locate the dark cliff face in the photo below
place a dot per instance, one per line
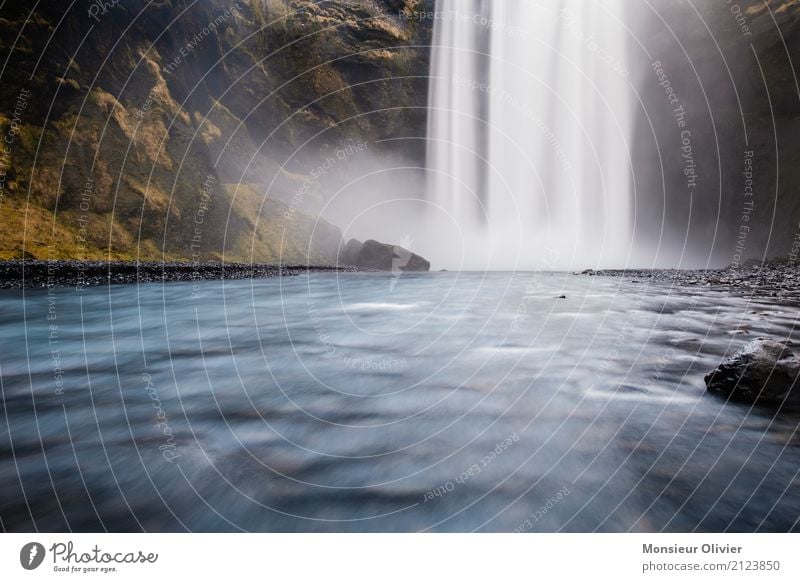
(718, 180)
(188, 129)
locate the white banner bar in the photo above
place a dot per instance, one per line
(401, 557)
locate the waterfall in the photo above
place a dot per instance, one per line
(528, 127)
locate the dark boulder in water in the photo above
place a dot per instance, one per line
(764, 371)
(381, 257)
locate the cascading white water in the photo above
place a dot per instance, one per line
(529, 114)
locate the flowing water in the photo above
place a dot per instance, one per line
(362, 402)
(528, 127)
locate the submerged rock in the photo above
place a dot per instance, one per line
(764, 371)
(381, 257)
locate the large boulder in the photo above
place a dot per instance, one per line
(764, 371)
(381, 257)
(349, 253)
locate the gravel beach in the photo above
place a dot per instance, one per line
(66, 273)
(771, 279)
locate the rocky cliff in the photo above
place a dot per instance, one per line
(196, 130)
(716, 149)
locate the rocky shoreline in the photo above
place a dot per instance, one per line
(68, 273)
(772, 279)
(763, 372)
(776, 279)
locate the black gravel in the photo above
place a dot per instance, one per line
(774, 279)
(777, 279)
(31, 274)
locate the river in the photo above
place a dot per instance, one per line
(386, 402)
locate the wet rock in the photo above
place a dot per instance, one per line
(385, 257)
(764, 371)
(350, 251)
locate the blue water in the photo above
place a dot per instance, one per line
(372, 402)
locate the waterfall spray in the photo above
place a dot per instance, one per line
(528, 134)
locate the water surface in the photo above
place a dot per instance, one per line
(376, 402)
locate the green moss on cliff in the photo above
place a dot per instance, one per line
(121, 133)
